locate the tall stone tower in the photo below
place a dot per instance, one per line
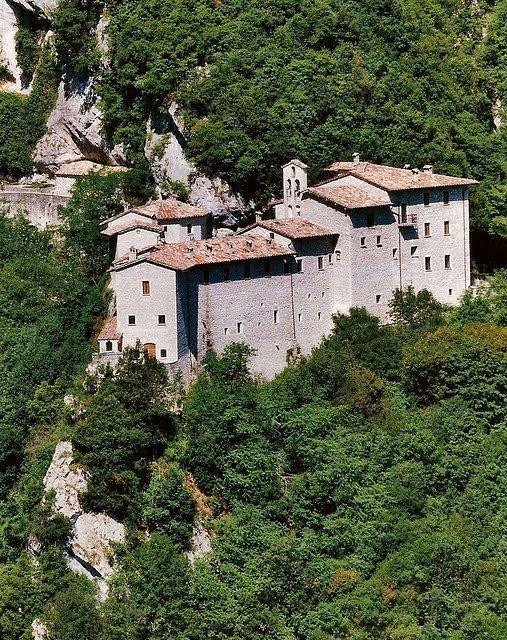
(295, 181)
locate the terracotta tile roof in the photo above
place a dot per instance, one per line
(395, 179)
(295, 228)
(182, 256)
(170, 210)
(110, 330)
(348, 196)
(131, 224)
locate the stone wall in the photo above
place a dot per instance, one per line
(39, 207)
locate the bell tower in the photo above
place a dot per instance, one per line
(295, 182)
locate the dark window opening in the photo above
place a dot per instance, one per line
(321, 263)
(109, 345)
(146, 288)
(161, 319)
(132, 319)
(163, 353)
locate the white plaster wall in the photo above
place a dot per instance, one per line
(375, 271)
(162, 300)
(457, 244)
(339, 223)
(176, 231)
(138, 238)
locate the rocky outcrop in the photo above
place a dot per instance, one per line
(165, 151)
(39, 630)
(74, 130)
(200, 542)
(89, 550)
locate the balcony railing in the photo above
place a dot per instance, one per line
(407, 220)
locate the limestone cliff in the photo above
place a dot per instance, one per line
(89, 550)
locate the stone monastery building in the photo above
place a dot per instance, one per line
(348, 241)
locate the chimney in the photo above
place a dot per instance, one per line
(428, 168)
(132, 254)
(249, 244)
(356, 158)
(415, 175)
(209, 247)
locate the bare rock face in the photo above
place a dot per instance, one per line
(89, 550)
(39, 630)
(200, 542)
(165, 151)
(8, 29)
(66, 480)
(74, 130)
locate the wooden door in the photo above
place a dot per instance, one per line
(150, 349)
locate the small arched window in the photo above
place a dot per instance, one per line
(109, 345)
(297, 189)
(289, 187)
(293, 170)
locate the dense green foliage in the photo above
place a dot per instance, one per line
(263, 81)
(359, 494)
(23, 118)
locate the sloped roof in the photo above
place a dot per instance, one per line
(348, 196)
(182, 256)
(129, 226)
(110, 330)
(295, 228)
(170, 210)
(396, 179)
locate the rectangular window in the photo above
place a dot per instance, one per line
(370, 219)
(247, 270)
(132, 320)
(395, 253)
(299, 265)
(161, 319)
(427, 230)
(275, 316)
(205, 276)
(379, 243)
(189, 229)
(427, 263)
(447, 261)
(446, 197)
(239, 327)
(163, 353)
(267, 268)
(227, 273)
(446, 228)
(271, 235)
(426, 198)
(413, 251)
(330, 258)
(404, 218)
(450, 292)
(338, 255)
(319, 315)
(300, 317)
(378, 298)
(146, 288)
(321, 263)
(226, 330)
(363, 241)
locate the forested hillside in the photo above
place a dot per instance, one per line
(360, 494)
(262, 81)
